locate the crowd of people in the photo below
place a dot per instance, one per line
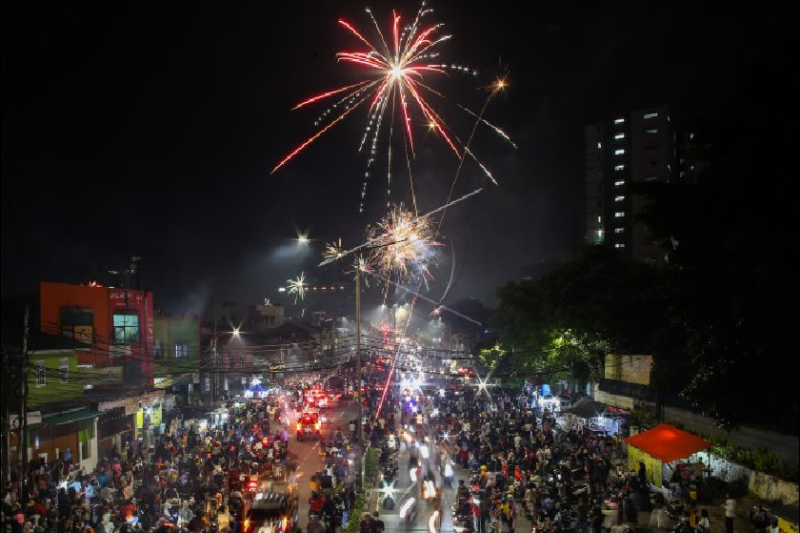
(192, 479)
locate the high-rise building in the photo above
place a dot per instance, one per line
(628, 148)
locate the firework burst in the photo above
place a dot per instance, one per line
(402, 64)
(297, 287)
(402, 244)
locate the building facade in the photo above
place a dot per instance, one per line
(628, 148)
(176, 355)
(117, 324)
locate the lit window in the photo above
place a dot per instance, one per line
(619, 214)
(650, 115)
(41, 374)
(126, 328)
(63, 370)
(619, 121)
(619, 167)
(77, 323)
(599, 233)
(619, 230)
(619, 182)
(599, 145)
(653, 131)
(619, 136)
(619, 245)
(619, 198)
(181, 351)
(619, 151)
(599, 219)
(691, 136)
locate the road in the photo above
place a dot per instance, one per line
(309, 459)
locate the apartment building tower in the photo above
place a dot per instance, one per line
(627, 148)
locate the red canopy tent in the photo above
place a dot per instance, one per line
(668, 443)
(661, 445)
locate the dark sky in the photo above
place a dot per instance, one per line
(151, 128)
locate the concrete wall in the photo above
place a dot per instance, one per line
(764, 486)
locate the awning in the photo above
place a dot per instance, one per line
(586, 408)
(668, 443)
(73, 416)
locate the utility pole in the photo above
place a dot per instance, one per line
(214, 360)
(7, 432)
(22, 441)
(359, 424)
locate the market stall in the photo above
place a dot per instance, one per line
(660, 446)
(585, 415)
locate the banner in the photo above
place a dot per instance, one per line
(651, 464)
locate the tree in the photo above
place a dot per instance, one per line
(571, 318)
(732, 270)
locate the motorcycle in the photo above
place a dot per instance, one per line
(408, 512)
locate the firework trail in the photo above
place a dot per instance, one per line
(416, 294)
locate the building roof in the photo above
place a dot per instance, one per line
(586, 408)
(72, 416)
(668, 443)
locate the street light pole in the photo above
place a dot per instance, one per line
(359, 423)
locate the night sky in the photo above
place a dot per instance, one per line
(151, 129)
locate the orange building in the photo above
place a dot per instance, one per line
(117, 323)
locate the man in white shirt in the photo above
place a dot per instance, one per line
(730, 513)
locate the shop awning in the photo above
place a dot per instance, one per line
(72, 416)
(586, 408)
(668, 443)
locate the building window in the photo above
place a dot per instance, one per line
(126, 328)
(619, 168)
(619, 214)
(41, 374)
(599, 145)
(619, 198)
(181, 351)
(619, 183)
(650, 115)
(619, 121)
(619, 230)
(599, 219)
(158, 353)
(619, 245)
(63, 370)
(619, 151)
(619, 136)
(77, 323)
(652, 131)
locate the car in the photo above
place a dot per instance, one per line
(309, 426)
(272, 512)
